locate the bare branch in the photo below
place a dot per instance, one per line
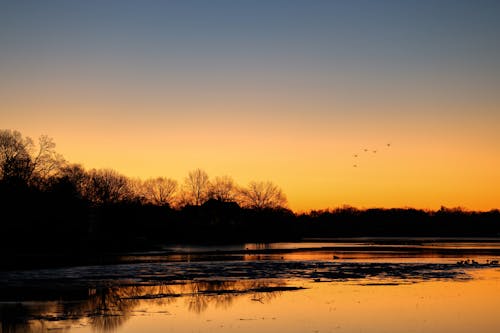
(160, 191)
(262, 195)
(196, 186)
(223, 189)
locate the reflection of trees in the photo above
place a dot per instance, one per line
(21, 318)
(221, 294)
(202, 293)
(261, 290)
(109, 308)
(106, 309)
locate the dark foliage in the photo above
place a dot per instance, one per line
(398, 222)
(58, 210)
(57, 219)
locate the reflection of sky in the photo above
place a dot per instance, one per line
(280, 90)
(381, 250)
(433, 306)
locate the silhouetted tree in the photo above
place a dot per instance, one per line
(223, 189)
(23, 162)
(160, 191)
(107, 186)
(51, 205)
(261, 195)
(75, 178)
(14, 156)
(196, 187)
(46, 161)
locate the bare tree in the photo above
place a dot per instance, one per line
(15, 160)
(223, 189)
(46, 160)
(261, 195)
(160, 191)
(137, 191)
(196, 186)
(183, 198)
(22, 161)
(107, 186)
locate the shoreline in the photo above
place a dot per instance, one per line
(338, 248)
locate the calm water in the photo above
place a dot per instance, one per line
(424, 286)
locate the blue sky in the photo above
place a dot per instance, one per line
(278, 79)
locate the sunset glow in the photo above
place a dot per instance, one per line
(282, 91)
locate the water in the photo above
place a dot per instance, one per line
(361, 286)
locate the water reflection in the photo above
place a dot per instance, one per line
(204, 287)
(433, 250)
(222, 293)
(106, 309)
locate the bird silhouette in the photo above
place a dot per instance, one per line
(388, 145)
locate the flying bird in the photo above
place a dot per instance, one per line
(355, 155)
(388, 145)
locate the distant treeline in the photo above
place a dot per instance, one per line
(50, 205)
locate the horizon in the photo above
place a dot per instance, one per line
(174, 193)
(282, 91)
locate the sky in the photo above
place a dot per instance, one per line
(286, 91)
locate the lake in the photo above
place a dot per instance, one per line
(361, 285)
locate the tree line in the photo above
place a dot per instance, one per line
(26, 164)
(51, 205)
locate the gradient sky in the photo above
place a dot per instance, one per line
(286, 91)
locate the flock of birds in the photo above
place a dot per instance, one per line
(366, 150)
(469, 262)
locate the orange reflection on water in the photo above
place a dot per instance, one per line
(364, 305)
(437, 306)
(374, 257)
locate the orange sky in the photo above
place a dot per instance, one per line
(432, 161)
(286, 94)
